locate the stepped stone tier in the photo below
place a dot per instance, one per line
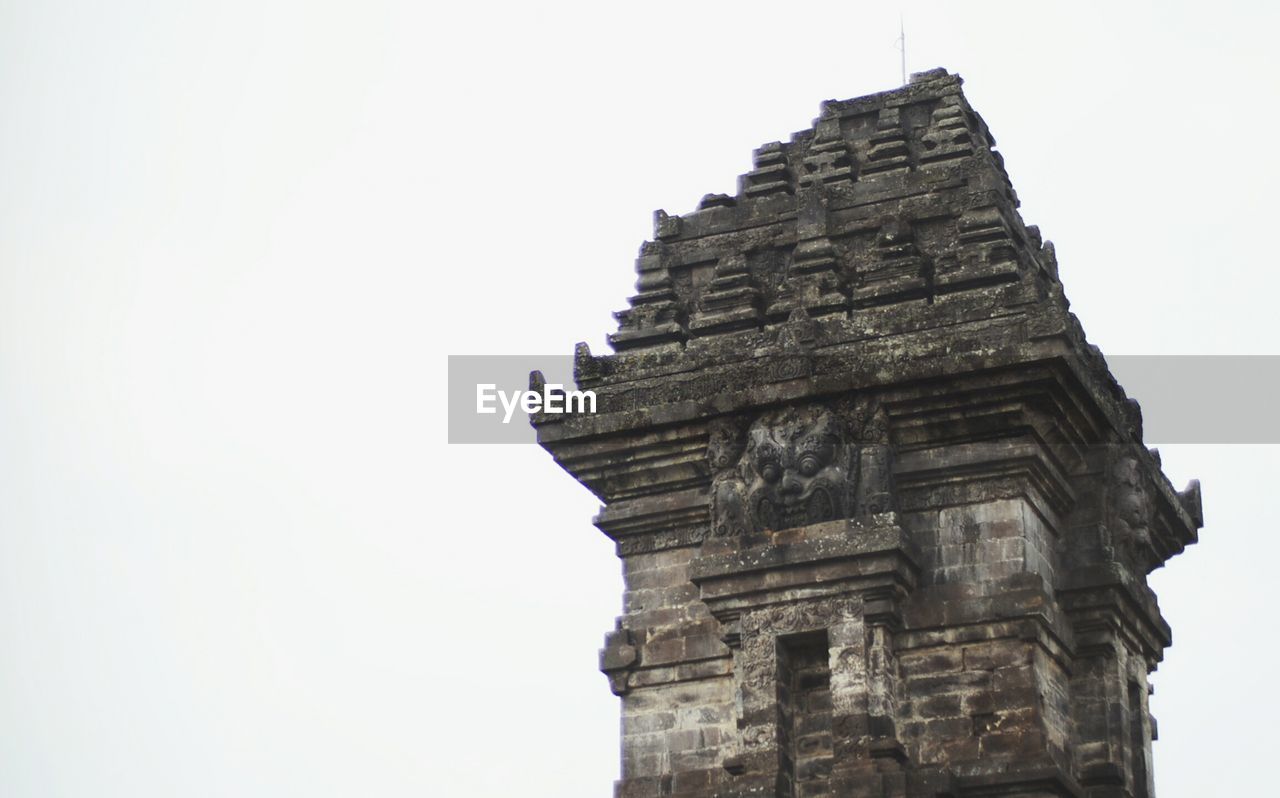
(884, 515)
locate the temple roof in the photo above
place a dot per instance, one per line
(896, 198)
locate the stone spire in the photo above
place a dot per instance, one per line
(884, 514)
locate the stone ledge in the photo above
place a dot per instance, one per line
(812, 544)
(832, 558)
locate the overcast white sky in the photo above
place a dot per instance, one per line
(238, 239)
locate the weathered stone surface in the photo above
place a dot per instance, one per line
(885, 517)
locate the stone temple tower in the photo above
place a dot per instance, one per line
(885, 517)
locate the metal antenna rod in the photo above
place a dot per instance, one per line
(902, 41)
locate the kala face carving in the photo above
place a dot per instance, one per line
(796, 469)
(798, 466)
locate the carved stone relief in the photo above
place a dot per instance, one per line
(1130, 515)
(798, 466)
(797, 469)
(728, 494)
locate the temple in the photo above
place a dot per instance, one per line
(885, 517)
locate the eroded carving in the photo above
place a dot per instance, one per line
(796, 468)
(728, 491)
(792, 618)
(618, 657)
(1130, 516)
(799, 466)
(874, 493)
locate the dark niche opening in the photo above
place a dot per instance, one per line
(804, 715)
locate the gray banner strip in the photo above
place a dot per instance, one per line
(1184, 398)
